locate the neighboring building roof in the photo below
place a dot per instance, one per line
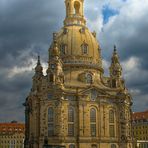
(12, 128)
(140, 115)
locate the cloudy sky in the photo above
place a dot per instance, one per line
(26, 28)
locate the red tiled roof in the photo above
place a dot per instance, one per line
(140, 115)
(12, 128)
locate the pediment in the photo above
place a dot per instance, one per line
(100, 92)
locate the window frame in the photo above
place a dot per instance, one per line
(93, 122)
(84, 48)
(111, 116)
(93, 115)
(71, 114)
(71, 121)
(112, 125)
(50, 121)
(63, 48)
(89, 78)
(112, 130)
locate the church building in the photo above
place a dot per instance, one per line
(74, 105)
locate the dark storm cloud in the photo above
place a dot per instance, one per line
(130, 34)
(129, 31)
(13, 92)
(26, 28)
(24, 23)
(137, 44)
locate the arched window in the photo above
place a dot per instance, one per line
(93, 122)
(71, 146)
(88, 78)
(113, 146)
(50, 121)
(82, 30)
(111, 123)
(65, 31)
(63, 47)
(92, 115)
(76, 8)
(71, 119)
(84, 48)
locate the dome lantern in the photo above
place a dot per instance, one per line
(74, 13)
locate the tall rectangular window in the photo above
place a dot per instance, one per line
(93, 130)
(50, 129)
(71, 121)
(70, 129)
(71, 115)
(50, 121)
(112, 131)
(93, 122)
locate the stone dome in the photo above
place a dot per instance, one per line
(79, 44)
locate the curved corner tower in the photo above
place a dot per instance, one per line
(75, 105)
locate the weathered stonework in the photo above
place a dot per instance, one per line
(75, 105)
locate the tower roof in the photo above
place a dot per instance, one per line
(140, 115)
(38, 67)
(115, 57)
(115, 68)
(12, 128)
